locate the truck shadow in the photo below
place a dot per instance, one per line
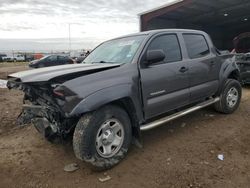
(181, 124)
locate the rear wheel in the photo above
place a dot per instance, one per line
(103, 137)
(230, 97)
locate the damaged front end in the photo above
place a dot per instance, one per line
(45, 105)
(48, 102)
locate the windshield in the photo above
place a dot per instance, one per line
(45, 57)
(118, 51)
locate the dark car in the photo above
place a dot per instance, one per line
(51, 60)
(243, 61)
(127, 85)
(2, 56)
(242, 48)
(80, 59)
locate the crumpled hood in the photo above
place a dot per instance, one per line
(48, 73)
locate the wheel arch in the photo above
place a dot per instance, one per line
(235, 75)
(127, 104)
(124, 95)
(229, 70)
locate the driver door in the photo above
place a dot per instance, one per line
(165, 85)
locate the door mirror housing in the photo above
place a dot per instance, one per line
(154, 56)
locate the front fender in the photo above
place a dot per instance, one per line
(105, 96)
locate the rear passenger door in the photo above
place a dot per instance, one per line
(203, 69)
(51, 61)
(61, 60)
(165, 84)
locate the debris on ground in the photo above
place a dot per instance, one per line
(221, 157)
(168, 161)
(206, 163)
(171, 130)
(3, 84)
(71, 167)
(106, 178)
(183, 125)
(209, 115)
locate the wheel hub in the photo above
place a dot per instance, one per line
(232, 97)
(109, 138)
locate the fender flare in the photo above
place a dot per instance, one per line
(106, 96)
(227, 68)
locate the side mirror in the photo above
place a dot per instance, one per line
(154, 56)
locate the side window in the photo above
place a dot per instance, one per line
(196, 45)
(170, 45)
(52, 58)
(61, 58)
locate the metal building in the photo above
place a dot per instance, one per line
(222, 19)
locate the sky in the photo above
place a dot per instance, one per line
(44, 24)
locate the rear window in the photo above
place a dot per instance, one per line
(196, 45)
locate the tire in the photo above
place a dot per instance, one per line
(226, 104)
(96, 126)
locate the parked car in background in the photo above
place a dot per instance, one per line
(243, 61)
(8, 59)
(2, 56)
(38, 56)
(19, 58)
(242, 48)
(80, 59)
(15, 58)
(51, 60)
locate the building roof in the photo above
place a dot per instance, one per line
(160, 7)
(224, 13)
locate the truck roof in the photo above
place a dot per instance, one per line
(152, 32)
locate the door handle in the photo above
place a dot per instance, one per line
(183, 69)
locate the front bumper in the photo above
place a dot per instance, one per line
(37, 115)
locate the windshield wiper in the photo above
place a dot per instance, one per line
(103, 62)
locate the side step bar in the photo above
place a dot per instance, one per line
(166, 119)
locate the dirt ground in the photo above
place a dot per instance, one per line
(6, 69)
(181, 154)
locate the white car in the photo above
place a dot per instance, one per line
(16, 58)
(19, 57)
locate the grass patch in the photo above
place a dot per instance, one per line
(13, 64)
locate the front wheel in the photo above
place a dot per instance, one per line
(230, 97)
(103, 137)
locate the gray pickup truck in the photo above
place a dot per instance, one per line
(125, 86)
